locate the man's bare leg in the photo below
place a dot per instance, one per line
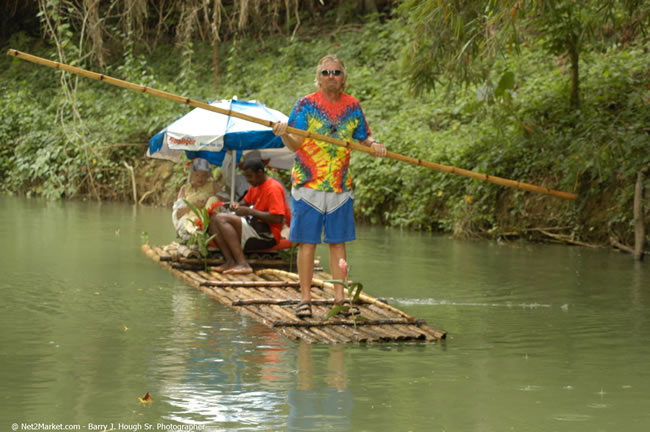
(337, 251)
(229, 262)
(213, 229)
(306, 254)
(229, 228)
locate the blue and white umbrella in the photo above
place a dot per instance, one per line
(209, 135)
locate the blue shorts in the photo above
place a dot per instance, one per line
(308, 223)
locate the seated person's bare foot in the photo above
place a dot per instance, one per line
(223, 268)
(239, 269)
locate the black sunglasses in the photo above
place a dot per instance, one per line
(335, 72)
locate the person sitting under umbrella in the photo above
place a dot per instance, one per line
(201, 191)
(256, 221)
(241, 184)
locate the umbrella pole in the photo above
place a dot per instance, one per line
(232, 183)
(187, 101)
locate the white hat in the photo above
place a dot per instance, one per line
(199, 164)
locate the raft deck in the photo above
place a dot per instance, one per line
(269, 296)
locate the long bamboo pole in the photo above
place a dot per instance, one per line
(192, 102)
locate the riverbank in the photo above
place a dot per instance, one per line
(88, 142)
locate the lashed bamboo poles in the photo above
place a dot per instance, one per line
(192, 102)
(278, 302)
(182, 261)
(272, 306)
(317, 282)
(335, 323)
(251, 284)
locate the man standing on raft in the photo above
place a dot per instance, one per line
(321, 195)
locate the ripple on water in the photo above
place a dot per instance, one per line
(531, 388)
(228, 406)
(442, 302)
(572, 417)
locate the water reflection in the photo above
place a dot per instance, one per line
(220, 370)
(560, 336)
(316, 405)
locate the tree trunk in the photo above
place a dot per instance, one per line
(95, 30)
(215, 67)
(310, 7)
(575, 71)
(370, 6)
(340, 12)
(215, 27)
(639, 223)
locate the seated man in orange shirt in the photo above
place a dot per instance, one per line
(256, 223)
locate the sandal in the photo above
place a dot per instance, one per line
(348, 309)
(303, 310)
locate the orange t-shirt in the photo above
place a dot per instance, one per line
(269, 197)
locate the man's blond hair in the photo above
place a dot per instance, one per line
(331, 58)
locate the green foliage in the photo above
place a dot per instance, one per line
(521, 130)
(353, 288)
(514, 123)
(462, 40)
(201, 237)
(452, 39)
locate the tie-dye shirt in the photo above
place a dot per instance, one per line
(320, 165)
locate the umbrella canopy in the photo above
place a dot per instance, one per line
(207, 134)
(277, 157)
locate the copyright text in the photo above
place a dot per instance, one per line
(107, 427)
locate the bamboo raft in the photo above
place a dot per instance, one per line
(269, 296)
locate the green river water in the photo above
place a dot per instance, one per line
(541, 337)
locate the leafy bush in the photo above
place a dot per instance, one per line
(517, 125)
